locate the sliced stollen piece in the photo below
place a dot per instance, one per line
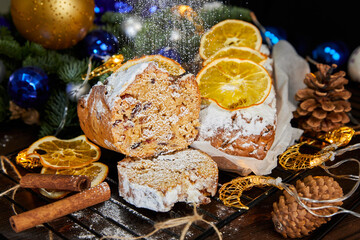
(248, 132)
(158, 183)
(142, 111)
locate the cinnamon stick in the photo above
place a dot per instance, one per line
(55, 182)
(49, 212)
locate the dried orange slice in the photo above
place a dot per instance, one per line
(173, 67)
(228, 33)
(96, 171)
(233, 83)
(237, 52)
(63, 154)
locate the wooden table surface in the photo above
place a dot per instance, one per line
(254, 224)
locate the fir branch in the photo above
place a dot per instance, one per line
(5, 34)
(72, 71)
(54, 112)
(50, 62)
(116, 30)
(128, 52)
(103, 77)
(154, 34)
(113, 18)
(10, 48)
(10, 65)
(214, 16)
(34, 49)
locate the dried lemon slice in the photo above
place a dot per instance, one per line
(96, 171)
(63, 154)
(233, 83)
(173, 67)
(228, 33)
(237, 52)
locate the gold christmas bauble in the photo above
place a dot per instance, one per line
(55, 24)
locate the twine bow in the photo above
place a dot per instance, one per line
(187, 220)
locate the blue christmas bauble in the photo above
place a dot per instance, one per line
(149, 9)
(122, 7)
(275, 34)
(170, 53)
(103, 6)
(4, 22)
(100, 43)
(28, 87)
(331, 52)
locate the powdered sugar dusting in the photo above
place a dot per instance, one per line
(119, 81)
(159, 183)
(250, 121)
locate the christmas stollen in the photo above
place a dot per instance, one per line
(266, 119)
(142, 111)
(158, 183)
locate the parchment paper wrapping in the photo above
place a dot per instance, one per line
(289, 71)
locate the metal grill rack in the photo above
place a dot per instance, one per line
(119, 218)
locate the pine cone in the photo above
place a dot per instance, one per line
(292, 220)
(323, 104)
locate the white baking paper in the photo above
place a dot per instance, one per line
(289, 71)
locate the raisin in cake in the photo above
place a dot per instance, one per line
(158, 183)
(142, 111)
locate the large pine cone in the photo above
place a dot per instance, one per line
(324, 103)
(292, 220)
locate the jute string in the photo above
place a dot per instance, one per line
(187, 220)
(14, 189)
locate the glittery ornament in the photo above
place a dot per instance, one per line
(100, 43)
(122, 7)
(75, 90)
(331, 53)
(149, 9)
(53, 24)
(28, 87)
(131, 26)
(28, 161)
(175, 35)
(186, 12)
(275, 34)
(111, 64)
